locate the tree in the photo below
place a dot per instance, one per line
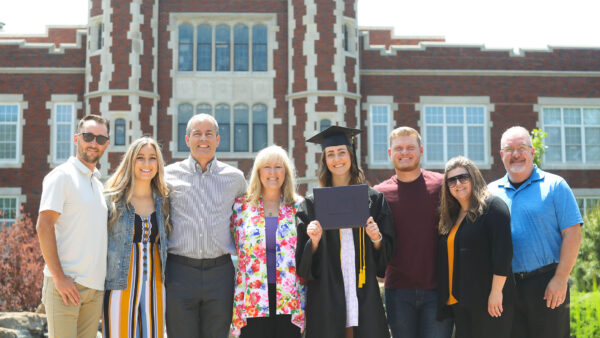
(537, 137)
(21, 265)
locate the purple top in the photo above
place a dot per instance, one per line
(271, 242)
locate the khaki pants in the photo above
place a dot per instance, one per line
(72, 321)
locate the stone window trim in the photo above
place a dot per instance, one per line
(113, 116)
(95, 35)
(565, 102)
(55, 100)
(373, 101)
(349, 37)
(230, 19)
(13, 193)
(18, 100)
(457, 101)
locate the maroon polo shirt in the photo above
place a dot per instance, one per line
(415, 210)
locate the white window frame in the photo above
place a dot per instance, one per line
(585, 195)
(565, 102)
(378, 100)
(231, 20)
(13, 192)
(457, 101)
(54, 132)
(55, 100)
(17, 100)
(372, 124)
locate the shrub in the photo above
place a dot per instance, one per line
(21, 265)
(585, 314)
(587, 267)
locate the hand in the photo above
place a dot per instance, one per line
(495, 304)
(67, 290)
(556, 292)
(314, 231)
(373, 230)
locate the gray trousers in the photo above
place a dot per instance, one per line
(199, 296)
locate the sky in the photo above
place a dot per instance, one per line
(494, 23)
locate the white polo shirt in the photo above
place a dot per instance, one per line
(75, 192)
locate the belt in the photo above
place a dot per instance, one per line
(536, 272)
(200, 263)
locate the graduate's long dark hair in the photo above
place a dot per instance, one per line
(357, 176)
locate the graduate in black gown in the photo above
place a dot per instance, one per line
(343, 300)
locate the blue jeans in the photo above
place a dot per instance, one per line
(411, 314)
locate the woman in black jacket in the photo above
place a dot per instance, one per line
(475, 280)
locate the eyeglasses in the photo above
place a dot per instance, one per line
(521, 149)
(89, 137)
(462, 178)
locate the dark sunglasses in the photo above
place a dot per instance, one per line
(462, 178)
(89, 137)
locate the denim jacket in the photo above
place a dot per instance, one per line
(120, 238)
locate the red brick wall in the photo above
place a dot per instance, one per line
(513, 98)
(37, 90)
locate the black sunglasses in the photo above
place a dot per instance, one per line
(89, 137)
(462, 178)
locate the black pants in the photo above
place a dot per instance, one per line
(199, 297)
(532, 317)
(274, 326)
(477, 323)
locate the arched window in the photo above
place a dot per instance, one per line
(324, 124)
(222, 115)
(240, 40)
(222, 41)
(259, 127)
(120, 132)
(259, 48)
(186, 111)
(242, 132)
(204, 48)
(186, 45)
(204, 108)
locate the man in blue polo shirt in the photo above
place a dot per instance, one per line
(546, 233)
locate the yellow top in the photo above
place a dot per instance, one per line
(451, 300)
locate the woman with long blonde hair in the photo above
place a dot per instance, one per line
(269, 296)
(138, 223)
(475, 280)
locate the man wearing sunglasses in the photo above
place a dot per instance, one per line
(546, 233)
(71, 228)
(410, 278)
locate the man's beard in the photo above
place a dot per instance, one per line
(89, 158)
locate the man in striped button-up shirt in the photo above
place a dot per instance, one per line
(200, 274)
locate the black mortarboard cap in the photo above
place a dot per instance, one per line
(335, 136)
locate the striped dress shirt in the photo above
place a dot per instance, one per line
(201, 207)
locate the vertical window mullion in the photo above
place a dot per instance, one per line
(582, 136)
(251, 48)
(445, 134)
(563, 137)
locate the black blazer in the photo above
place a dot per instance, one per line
(482, 248)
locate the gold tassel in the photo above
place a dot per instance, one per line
(362, 278)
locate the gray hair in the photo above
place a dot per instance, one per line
(515, 130)
(201, 118)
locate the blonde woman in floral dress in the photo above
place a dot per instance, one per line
(269, 296)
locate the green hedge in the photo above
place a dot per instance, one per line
(585, 314)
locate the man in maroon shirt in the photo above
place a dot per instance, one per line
(410, 279)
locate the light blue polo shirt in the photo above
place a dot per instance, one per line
(540, 209)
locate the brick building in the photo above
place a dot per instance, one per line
(274, 71)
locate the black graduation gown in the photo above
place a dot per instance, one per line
(326, 301)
